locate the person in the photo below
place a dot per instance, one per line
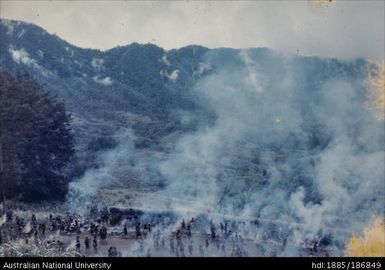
(9, 215)
(35, 235)
(183, 225)
(207, 242)
(43, 228)
(95, 243)
(188, 230)
(103, 233)
(112, 252)
(125, 231)
(313, 246)
(33, 218)
(137, 231)
(92, 228)
(178, 235)
(213, 233)
(77, 243)
(87, 242)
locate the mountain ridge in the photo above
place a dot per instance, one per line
(249, 132)
(149, 82)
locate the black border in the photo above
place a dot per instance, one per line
(263, 263)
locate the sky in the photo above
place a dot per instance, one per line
(340, 28)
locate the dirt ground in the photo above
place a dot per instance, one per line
(157, 243)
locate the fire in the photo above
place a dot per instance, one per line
(376, 90)
(371, 244)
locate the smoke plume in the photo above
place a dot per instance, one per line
(287, 145)
(293, 150)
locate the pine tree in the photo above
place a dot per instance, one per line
(36, 141)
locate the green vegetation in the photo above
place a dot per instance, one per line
(36, 141)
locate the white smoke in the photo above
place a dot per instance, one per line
(253, 79)
(97, 64)
(165, 60)
(173, 76)
(321, 149)
(106, 81)
(27, 228)
(202, 68)
(3, 219)
(20, 56)
(292, 145)
(83, 189)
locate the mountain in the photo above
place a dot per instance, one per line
(131, 86)
(139, 86)
(239, 131)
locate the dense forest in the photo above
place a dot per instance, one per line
(36, 141)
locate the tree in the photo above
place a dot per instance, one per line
(36, 141)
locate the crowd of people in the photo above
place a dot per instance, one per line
(93, 233)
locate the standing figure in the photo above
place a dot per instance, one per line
(95, 243)
(137, 231)
(77, 243)
(87, 242)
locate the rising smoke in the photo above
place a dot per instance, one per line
(285, 146)
(83, 191)
(293, 147)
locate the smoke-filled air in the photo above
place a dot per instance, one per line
(141, 151)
